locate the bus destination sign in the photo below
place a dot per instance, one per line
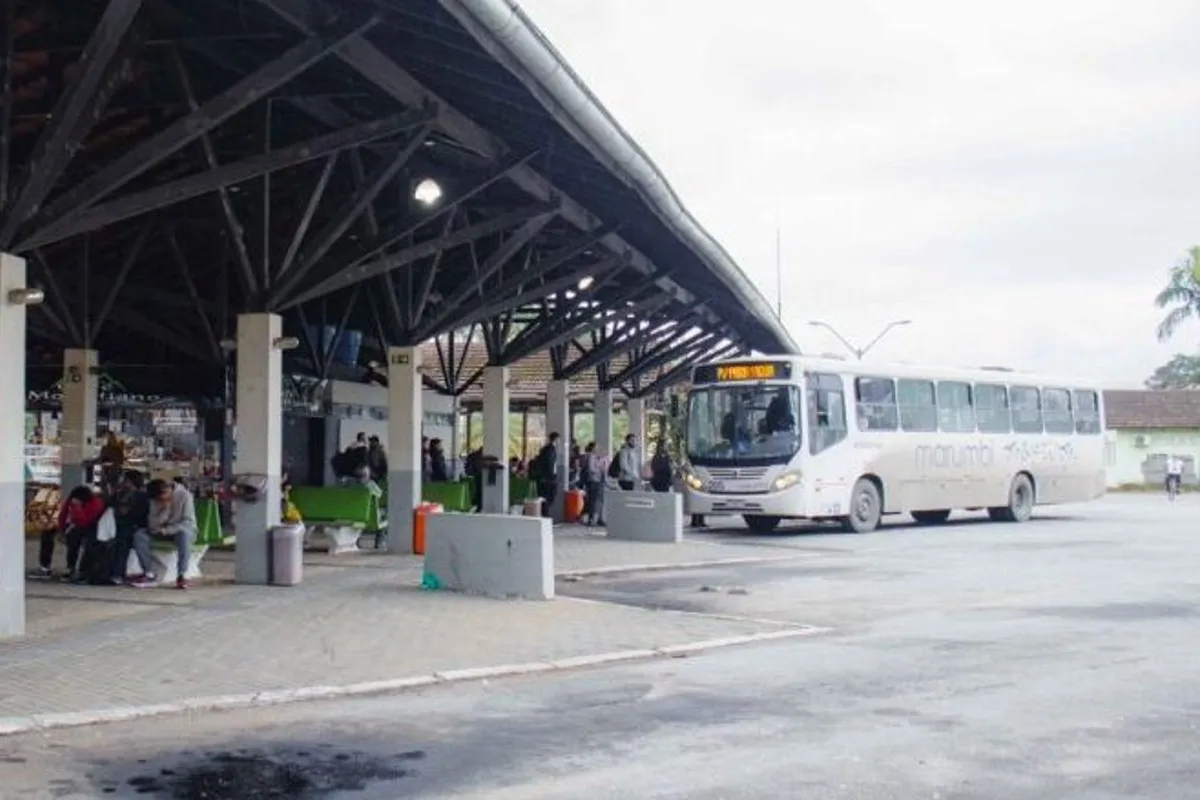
(745, 371)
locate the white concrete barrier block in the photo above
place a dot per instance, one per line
(492, 554)
(644, 516)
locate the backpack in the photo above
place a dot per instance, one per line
(614, 468)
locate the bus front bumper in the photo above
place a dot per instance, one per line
(789, 502)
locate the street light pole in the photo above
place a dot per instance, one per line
(859, 352)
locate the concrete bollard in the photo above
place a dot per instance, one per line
(492, 554)
(644, 516)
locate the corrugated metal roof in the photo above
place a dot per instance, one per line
(1124, 409)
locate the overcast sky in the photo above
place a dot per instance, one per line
(1016, 178)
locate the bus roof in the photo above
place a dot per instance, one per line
(904, 370)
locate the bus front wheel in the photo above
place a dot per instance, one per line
(760, 524)
(866, 507)
(1020, 502)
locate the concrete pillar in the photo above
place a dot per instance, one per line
(12, 450)
(495, 437)
(259, 439)
(77, 426)
(558, 420)
(604, 422)
(405, 416)
(636, 408)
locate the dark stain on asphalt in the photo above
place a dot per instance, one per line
(269, 774)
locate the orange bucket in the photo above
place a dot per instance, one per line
(419, 515)
(573, 505)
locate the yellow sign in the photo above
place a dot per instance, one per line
(747, 372)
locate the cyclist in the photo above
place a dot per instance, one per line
(1174, 475)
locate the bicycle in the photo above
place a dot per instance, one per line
(1172, 487)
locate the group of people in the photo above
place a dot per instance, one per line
(591, 471)
(142, 513)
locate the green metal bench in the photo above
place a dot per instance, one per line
(338, 514)
(520, 490)
(455, 496)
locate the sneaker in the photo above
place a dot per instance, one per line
(144, 582)
(43, 573)
(181, 583)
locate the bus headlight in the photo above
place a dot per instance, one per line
(786, 481)
(692, 481)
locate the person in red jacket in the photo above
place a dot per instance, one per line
(77, 521)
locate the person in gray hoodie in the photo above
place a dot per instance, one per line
(172, 518)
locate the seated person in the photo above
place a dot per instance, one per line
(77, 520)
(172, 518)
(131, 513)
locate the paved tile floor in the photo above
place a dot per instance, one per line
(356, 618)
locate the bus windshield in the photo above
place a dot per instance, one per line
(746, 424)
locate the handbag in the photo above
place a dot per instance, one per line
(106, 527)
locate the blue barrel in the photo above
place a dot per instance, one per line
(349, 346)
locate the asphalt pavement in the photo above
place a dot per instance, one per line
(1053, 659)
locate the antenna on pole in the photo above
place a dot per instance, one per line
(778, 264)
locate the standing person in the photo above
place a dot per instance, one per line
(77, 521)
(131, 513)
(1174, 475)
(591, 474)
(630, 470)
(438, 473)
(662, 471)
(172, 518)
(547, 472)
(377, 460)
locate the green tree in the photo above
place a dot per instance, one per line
(1181, 372)
(1181, 295)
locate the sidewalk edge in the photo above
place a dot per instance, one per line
(11, 726)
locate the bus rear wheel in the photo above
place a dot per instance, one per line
(1020, 502)
(760, 524)
(866, 508)
(931, 517)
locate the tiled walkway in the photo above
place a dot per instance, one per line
(355, 619)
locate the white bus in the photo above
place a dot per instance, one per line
(829, 440)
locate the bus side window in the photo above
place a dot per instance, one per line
(826, 411)
(1056, 405)
(918, 405)
(1087, 411)
(1026, 403)
(991, 408)
(876, 404)
(955, 411)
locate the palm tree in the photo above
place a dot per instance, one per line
(1181, 295)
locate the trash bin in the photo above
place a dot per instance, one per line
(419, 514)
(287, 555)
(573, 505)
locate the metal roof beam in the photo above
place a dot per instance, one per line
(680, 372)
(103, 66)
(377, 67)
(139, 203)
(494, 263)
(607, 351)
(353, 209)
(512, 302)
(211, 114)
(595, 319)
(351, 275)
(640, 367)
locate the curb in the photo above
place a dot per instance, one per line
(11, 726)
(712, 562)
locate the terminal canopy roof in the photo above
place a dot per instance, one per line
(384, 172)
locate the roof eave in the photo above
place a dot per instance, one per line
(510, 37)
